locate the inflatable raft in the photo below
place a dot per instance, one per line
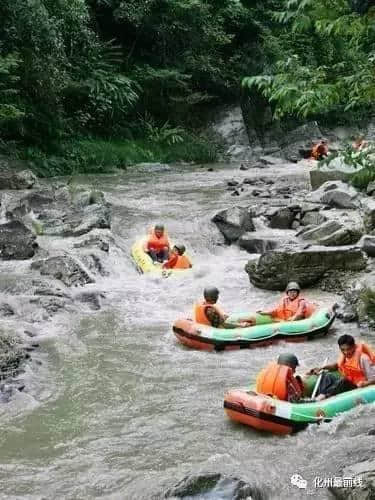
(281, 417)
(264, 332)
(145, 264)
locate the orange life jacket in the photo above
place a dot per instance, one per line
(182, 263)
(155, 243)
(288, 308)
(350, 368)
(275, 380)
(200, 312)
(318, 151)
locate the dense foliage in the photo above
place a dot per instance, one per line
(73, 72)
(325, 58)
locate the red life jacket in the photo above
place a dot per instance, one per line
(350, 368)
(200, 312)
(279, 381)
(157, 244)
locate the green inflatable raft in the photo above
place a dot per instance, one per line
(264, 332)
(281, 417)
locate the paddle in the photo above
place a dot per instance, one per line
(318, 381)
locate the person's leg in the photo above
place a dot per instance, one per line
(330, 386)
(153, 254)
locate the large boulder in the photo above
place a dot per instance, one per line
(65, 269)
(234, 222)
(305, 265)
(336, 194)
(299, 139)
(74, 222)
(358, 482)
(16, 241)
(14, 174)
(332, 233)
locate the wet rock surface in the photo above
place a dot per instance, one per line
(16, 241)
(304, 265)
(63, 268)
(211, 486)
(234, 222)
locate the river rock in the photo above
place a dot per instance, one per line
(363, 487)
(256, 245)
(14, 174)
(312, 219)
(74, 222)
(367, 244)
(215, 485)
(16, 241)
(368, 206)
(237, 153)
(95, 241)
(304, 265)
(11, 354)
(6, 309)
(336, 194)
(234, 222)
(65, 269)
(332, 233)
(92, 299)
(282, 218)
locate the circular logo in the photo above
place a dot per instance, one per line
(320, 413)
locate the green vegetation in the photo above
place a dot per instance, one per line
(324, 59)
(86, 85)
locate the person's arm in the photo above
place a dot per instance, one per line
(218, 320)
(330, 368)
(301, 311)
(368, 369)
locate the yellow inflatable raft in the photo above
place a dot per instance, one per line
(145, 264)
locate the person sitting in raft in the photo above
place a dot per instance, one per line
(177, 259)
(157, 244)
(319, 150)
(208, 312)
(292, 306)
(356, 364)
(279, 380)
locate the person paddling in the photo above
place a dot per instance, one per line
(292, 306)
(177, 259)
(208, 312)
(356, 364)
(279, 379)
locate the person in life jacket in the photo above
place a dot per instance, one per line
(319, 150)
(292, 306)
(279, 379)
(208, 312)
(177, 259)
(356, 365)
(157, 244)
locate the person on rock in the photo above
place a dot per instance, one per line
(279, 379)
(319, 150)
(157, 244)
(208, 312)
(292, 306)
(177, 259)
(356, 365)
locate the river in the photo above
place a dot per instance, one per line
(119, 410)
